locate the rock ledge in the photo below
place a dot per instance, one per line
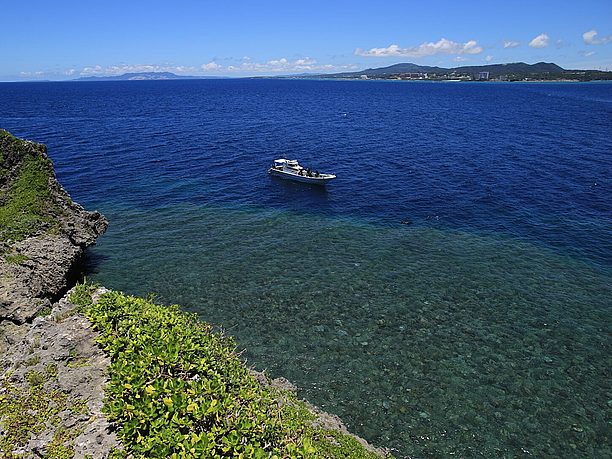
(36, 268)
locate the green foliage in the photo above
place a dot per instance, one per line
(32, 361)
(61, 445)
(26, 409)
(6, 134)
(35, 378)
(27, 207)
(79, 406)
(10, 137)
(44, 312)
(81, 298)
(51, 370)
(15, 259)
(117, 454)
(81, 294)
(178, 390)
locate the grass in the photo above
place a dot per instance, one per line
(30, 408)
(44, 312)
(27, 206)
(32, 361)
(4, 135)
(179, 390)
(15, 259)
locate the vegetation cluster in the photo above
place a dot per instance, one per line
(26, 204)
(179, 390)
(35, 407)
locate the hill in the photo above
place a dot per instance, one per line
(493, 69)
(515, 71)
(513, 68)
(147, 76)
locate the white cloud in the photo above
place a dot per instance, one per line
(210, 66)
(96, 70)
(443, 46)
(284, 65)
(281, 65)
(590, 38)
(32, 74)
(278, 62)
(460, 59)
(541, 41)
(489, 58)
(306, 61)
(511, 44)
(244, 67)
(587, 53)
(120, 69)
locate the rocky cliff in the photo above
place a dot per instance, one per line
(52, 372)
(43, 233)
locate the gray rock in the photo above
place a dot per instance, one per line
(49, 257)
(81, 375)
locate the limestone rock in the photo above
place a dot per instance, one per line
(35, 270)
(61, 349)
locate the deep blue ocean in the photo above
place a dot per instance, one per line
(448, 294)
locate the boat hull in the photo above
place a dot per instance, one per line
(321, 180)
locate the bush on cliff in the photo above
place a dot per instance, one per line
(179, 390)
(26, 206)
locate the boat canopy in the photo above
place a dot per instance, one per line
(290, 163)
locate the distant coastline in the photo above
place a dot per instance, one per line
(541, 72)
(509, 72)
(146, 76)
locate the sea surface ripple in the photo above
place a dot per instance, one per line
(479, 327)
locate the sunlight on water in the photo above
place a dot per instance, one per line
(429, 341)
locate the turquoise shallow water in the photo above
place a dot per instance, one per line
(431, 341)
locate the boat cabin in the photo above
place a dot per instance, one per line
(290, 165)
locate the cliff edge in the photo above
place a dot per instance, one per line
(43, 233)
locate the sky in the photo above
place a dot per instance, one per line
(67, 39)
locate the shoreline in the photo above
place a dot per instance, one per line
(314, 78)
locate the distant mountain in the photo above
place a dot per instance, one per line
(512, 68)
(401, 68)
(494, 70)
(143, 76)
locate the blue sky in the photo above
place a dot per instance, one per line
(67, 39)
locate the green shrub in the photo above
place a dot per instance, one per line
(35, 378)
(81, 294)
(27, 209)
(44, 312)
(179, 390)
(32, 361)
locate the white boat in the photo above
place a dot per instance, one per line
(290, 169)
